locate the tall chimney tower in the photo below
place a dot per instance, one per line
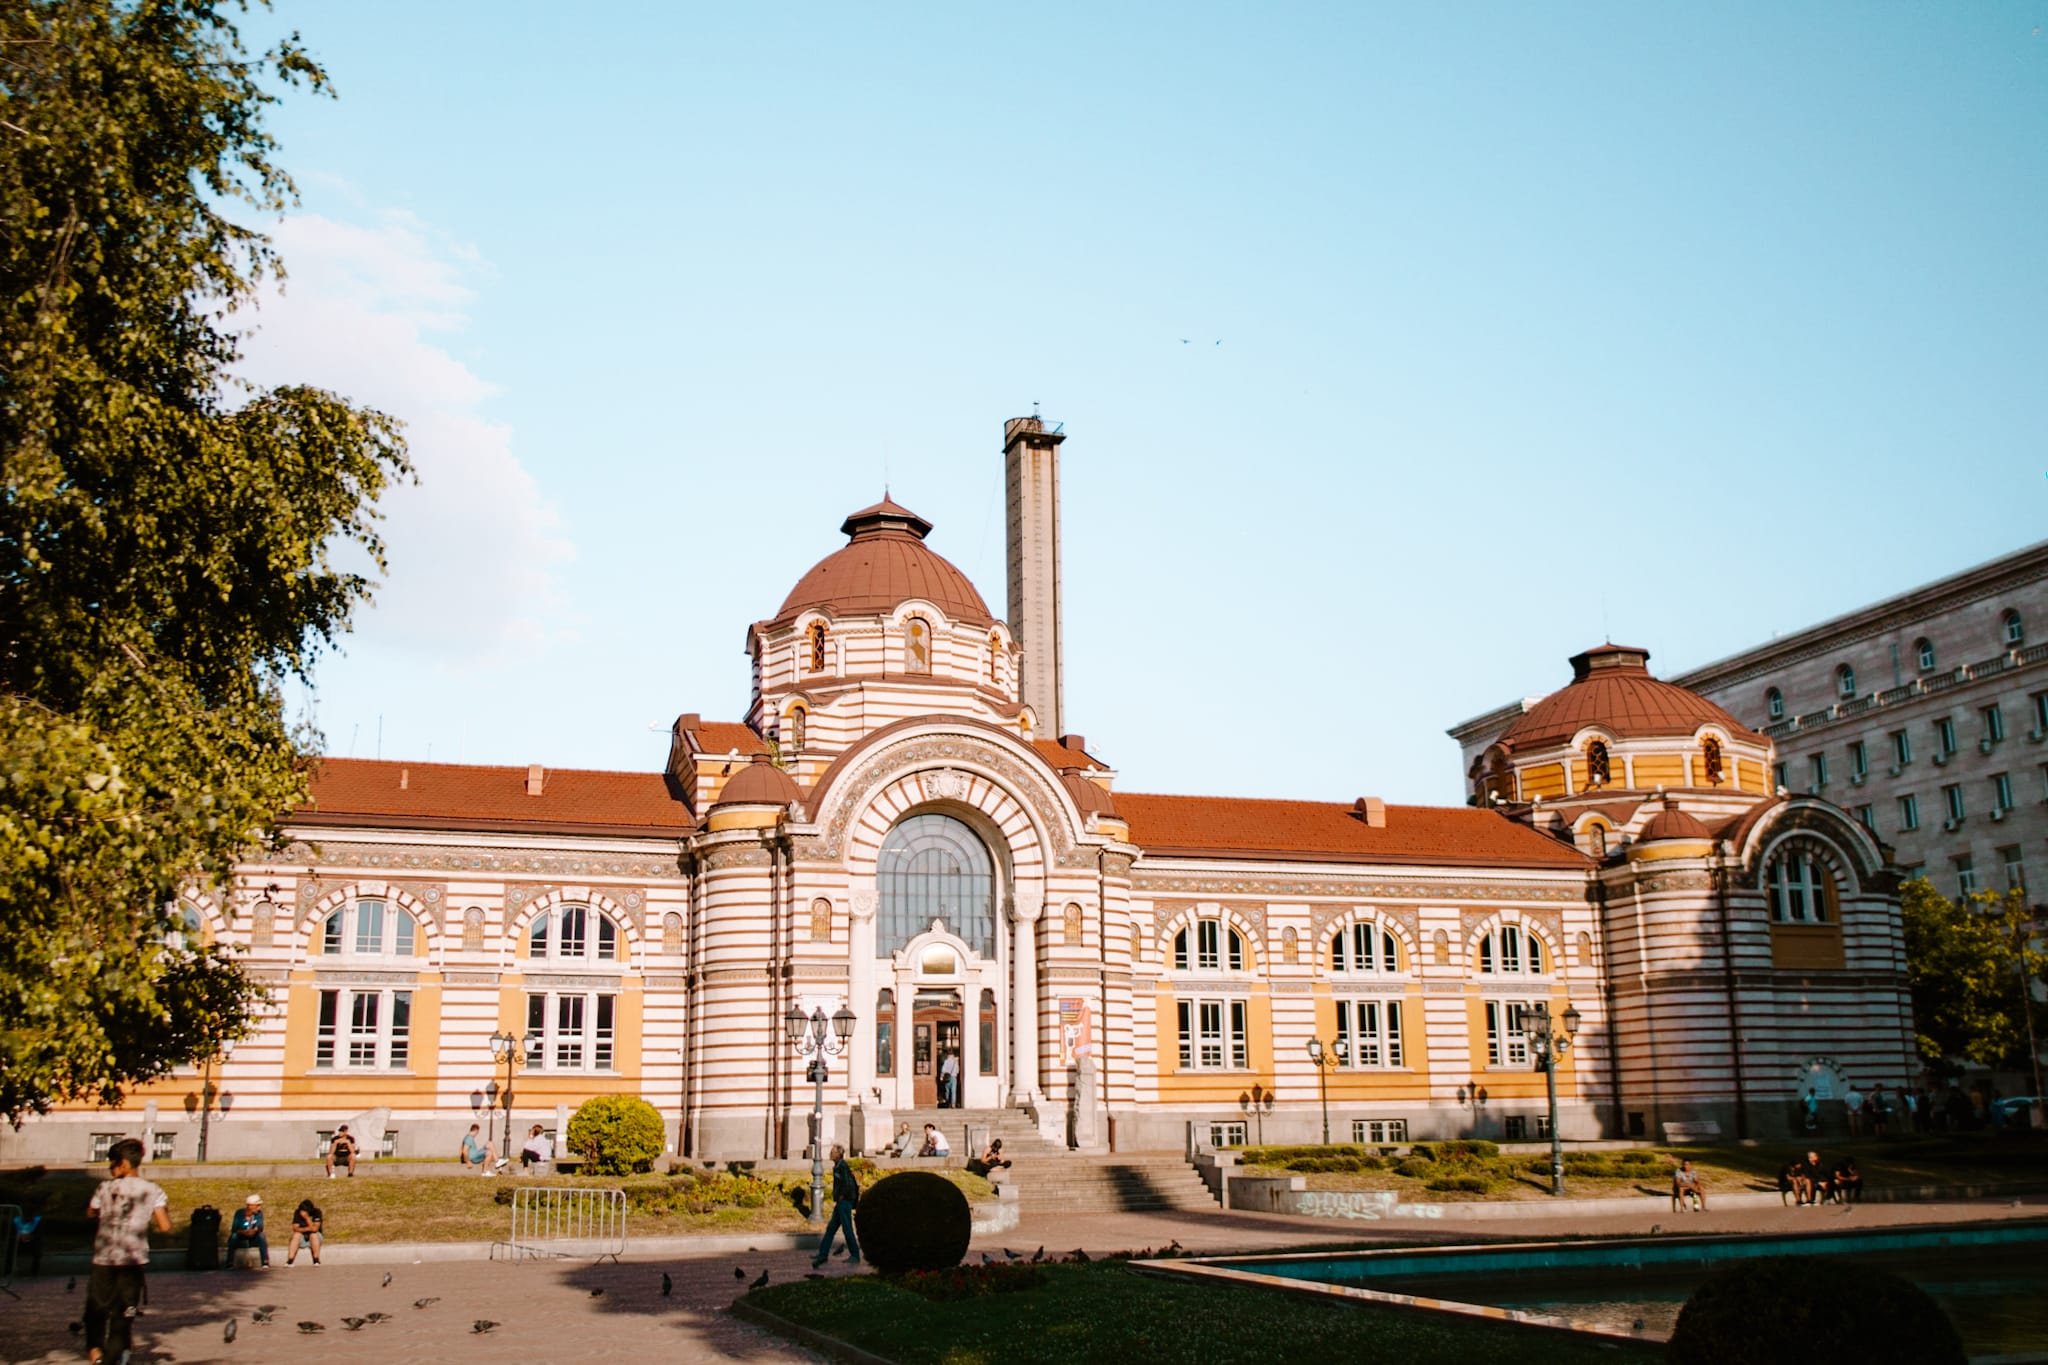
(1031, 464)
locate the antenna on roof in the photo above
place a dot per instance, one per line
(1034, 407)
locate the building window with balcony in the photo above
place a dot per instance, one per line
(1909, 811)
(1994, 725)
(1924, 649)
(1369, 1033)
(1212, 1035)
(1364, 947)
(1845, 682)
(1953, 795)
(363, 1030)
(1210, 938)
(1859, 761)
(1966, 876)
(1945, 736)
(570, 1030)
(2015, 860)
(2015, 630)
(1820, 771)
(1800, 888)
(2001, 792)
(1506, 1044)
(1902, 748)
(1774, 704)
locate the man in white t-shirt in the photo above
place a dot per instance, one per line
(935, 1143)
(124, 1208)
(538, 1151)
(1852, 1101)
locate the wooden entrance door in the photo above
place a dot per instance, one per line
(934, 1032)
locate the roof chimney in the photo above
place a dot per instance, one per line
(1031, 467)
(536, 778)
(1078, 743)
(404, 778)
(690, 720)
(1372, 810)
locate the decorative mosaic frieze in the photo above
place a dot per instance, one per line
(1293, 888)
(489, 861)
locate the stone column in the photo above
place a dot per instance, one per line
(860, 989)
(1025, 906)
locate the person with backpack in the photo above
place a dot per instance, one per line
(123, 1210)
(845, 1195)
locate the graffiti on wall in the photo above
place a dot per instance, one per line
(1371, 1205)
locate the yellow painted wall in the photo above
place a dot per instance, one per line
(1655, 770)
(1545, 780)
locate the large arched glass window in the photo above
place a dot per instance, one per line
(932, 867)
(367, 928)
(567, 933)
(1801, 889)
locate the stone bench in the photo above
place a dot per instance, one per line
(1689, 1134)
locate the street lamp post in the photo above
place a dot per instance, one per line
(206, 1091)
(1324, 1059)
(512, 1052)
(1548, 1045)
(812, 1038)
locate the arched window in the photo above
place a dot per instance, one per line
(184, 929)
(932, 867)
(799, 720)
(1774, 704)
(573, 933)
(987, 1036)
(2015, 629)
(1801, 888)
(1710, 754)
(368, 928)
(917, 645)
(1364, 947)
(1511, 951)
(1845, 682)
(885, 1033)
(1206, 945)
(1923, 649)
(1596, 839)
(995, 657)
(816, 638)
(1596, 763)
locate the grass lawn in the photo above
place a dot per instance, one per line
(1107, 1312)
(1944, 1159)
(406, 1208)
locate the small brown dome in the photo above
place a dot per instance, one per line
(1611, 687)
(1089, 797)
(760, 783)
(1672, 823)
(885, 564)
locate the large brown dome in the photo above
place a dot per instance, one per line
(885, 564)
(1611, 687)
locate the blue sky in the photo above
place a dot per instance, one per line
(1537, 324)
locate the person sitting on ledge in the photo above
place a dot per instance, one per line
(307, 1223)
(341, 1151)
(1820, 1179)
(247, 1231)
(1686, 1188)
(903, 1144)
(538, 1151)
(1848, 1181)
(1792, 1181)
(989, 1162)
(935, 1143)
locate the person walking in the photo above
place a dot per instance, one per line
(307, 1223)
(124, 1207)
(949, 1081)
(247, 1230)
(845, 1196)
(475, 1151)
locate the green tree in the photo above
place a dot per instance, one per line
(615, 1134)
(1967, 961)
(167, 535)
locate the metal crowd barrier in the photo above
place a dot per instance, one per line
(555, 1222)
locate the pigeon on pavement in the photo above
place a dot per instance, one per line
(1012, 1255)
(739, 1272)
(311, 1327)
(481, 1326)
(761, 1280)
(71, 1285)
(1038, 1256)
(228, 1332)
(425, 1303)
(355, 1324)
(75, 1327)
(387, 1281)
(377, 1317)
(597, 1293)
(667, 1285)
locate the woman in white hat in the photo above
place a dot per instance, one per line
(247, 1230)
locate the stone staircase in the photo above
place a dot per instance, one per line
(1051, 1179)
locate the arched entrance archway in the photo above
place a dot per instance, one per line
(935, 924)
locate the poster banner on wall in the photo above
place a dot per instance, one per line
(1077, 1031)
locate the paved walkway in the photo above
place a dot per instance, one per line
(546, 1312)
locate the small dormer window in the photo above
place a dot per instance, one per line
(917, 645)
(1596, 763)
(1774, 704)
(815, 644)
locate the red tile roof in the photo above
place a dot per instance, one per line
(1612, 687)
(1060, 756)
(1239, 827)
(717, 737)
(885, 564)
(460, 796)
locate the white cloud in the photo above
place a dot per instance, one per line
(474, 547)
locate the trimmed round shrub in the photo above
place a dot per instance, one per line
(1416, 1168)
(616, 1135)
(1799, 1310)
(913, 1220)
